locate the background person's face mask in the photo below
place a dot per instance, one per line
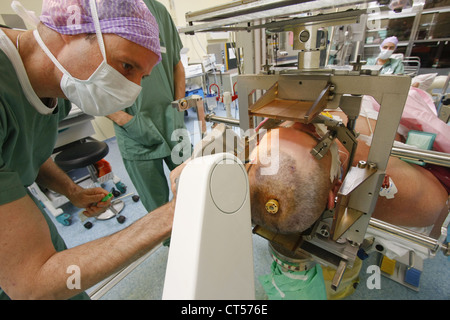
(385, 54)
(106, 91)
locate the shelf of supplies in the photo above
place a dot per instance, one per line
(376, 30)
(390, 15)
(375, 45)
(431, 40)
(404, 44)
(436, 10)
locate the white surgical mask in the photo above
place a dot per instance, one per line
(106, 91)
(385, 54)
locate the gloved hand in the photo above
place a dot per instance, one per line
(91, 200)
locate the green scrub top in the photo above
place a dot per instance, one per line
(27, 138)
(393, 66)
(149, 134)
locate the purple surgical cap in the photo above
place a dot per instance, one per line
(392, 39)
(129, 19)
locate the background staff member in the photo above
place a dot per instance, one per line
(389, 65)
(144, 130)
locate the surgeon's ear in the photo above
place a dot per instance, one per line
(66, 38)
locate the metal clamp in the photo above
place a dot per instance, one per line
(187, 102)
(321, 149)
(336, 130)
(194, 101)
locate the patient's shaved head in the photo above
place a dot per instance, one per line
(300, 187)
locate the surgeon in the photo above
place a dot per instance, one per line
(389, 65)
(93, 53)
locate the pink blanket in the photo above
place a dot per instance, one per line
(420, 114)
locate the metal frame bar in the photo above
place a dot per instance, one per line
(304, 7)
(236, 7)
(391, 92)
(423, 240)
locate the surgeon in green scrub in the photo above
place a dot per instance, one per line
(388, 65)
(39, 69)
(144, 130)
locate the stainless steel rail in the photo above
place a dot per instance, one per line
(218, 119)
(428, 242)
(432, 157)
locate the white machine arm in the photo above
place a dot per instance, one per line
(211, 249)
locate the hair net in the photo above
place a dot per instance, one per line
(392, 39)
(129, 19)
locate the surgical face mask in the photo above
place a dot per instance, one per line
(106, 91)
(385, 54)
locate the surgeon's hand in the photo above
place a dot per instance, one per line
(121, 118)
(91, 200)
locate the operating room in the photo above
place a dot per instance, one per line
(306, 156)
